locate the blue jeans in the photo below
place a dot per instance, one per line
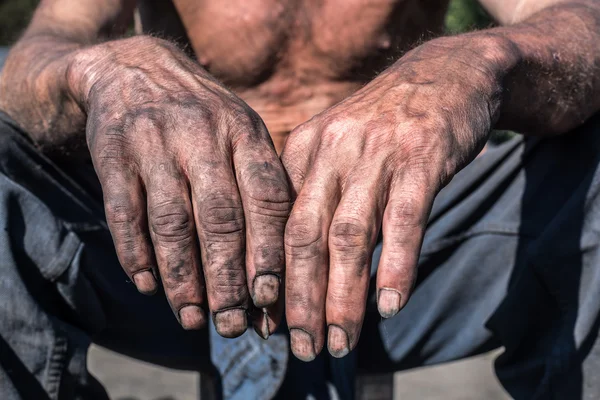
(511, 258)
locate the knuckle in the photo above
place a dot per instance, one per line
(130, 251)
(421, 146)
(228, 284)
(124, 225)
(271, 199)
(222, 217)
(333, 131)
(299, 134)
(265, 181)
(119, 214)
(171, 223)
(303, 237)
(406, 212)
(349, 236)
(245, 117)
(112, 153)
(246, 122)
(181, 292)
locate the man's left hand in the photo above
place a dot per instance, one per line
(376, 161)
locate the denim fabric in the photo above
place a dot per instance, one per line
(510, 259)
(253, 367)
(61, 287)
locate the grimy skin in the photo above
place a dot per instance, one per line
(190, 174)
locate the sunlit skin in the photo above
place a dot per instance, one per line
(185, 142)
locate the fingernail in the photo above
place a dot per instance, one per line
(266, 290)
(145, 283)
(263, 329)
(388, 302)
(302, 345)
(231, 323)
(337, 342)
(192, 317)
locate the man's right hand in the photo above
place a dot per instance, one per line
(193, 189)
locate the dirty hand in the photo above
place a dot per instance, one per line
(376, 161)
(193, 189)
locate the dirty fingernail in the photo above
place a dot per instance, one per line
(265, 290)
(231, 323)
(192, 317)
(337, 342)
(262, 327)
(145, 283)
(388, 302)
(302, 344)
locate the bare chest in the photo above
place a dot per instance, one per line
(244, 42)
(291, 59)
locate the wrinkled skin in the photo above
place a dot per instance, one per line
(190, 175)
(375, 161)
(190, 178)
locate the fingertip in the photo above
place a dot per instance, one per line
(192, 317)
(265, 290)
(338, 343)
(302, 344)
(231, 323)
(145, 282)
(388, 302)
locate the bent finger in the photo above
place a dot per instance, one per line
(265, 197)
(125, 208)
(307, 262)
(173, 234)
(404, 223)
(352, 238)
(219, 220)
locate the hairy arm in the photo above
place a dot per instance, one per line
(34, 89)
(552, 53)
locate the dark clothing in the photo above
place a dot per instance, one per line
(511, 258)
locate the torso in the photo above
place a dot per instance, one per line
(291, 59)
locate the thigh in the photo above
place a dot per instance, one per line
(510, 258)
(468, 257)
(61, 286)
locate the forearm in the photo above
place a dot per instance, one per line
(34, 88)
(550, 68)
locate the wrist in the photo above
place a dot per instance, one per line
(481, 60)
(83, 71)
(91, 67)
(498, 56)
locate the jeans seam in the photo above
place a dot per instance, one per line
(61, 262)
(444, 243)
(56, 366)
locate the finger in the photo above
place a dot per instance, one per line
(296, 157)
(220, 223)
(352, 238)
(265, 196)
(404, 223)
(125, 208)
(307, 262)
(172, 230)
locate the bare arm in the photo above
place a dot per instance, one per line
(552, 82)
(33, 87)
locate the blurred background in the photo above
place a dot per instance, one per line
(128, 379)
(463, 15)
